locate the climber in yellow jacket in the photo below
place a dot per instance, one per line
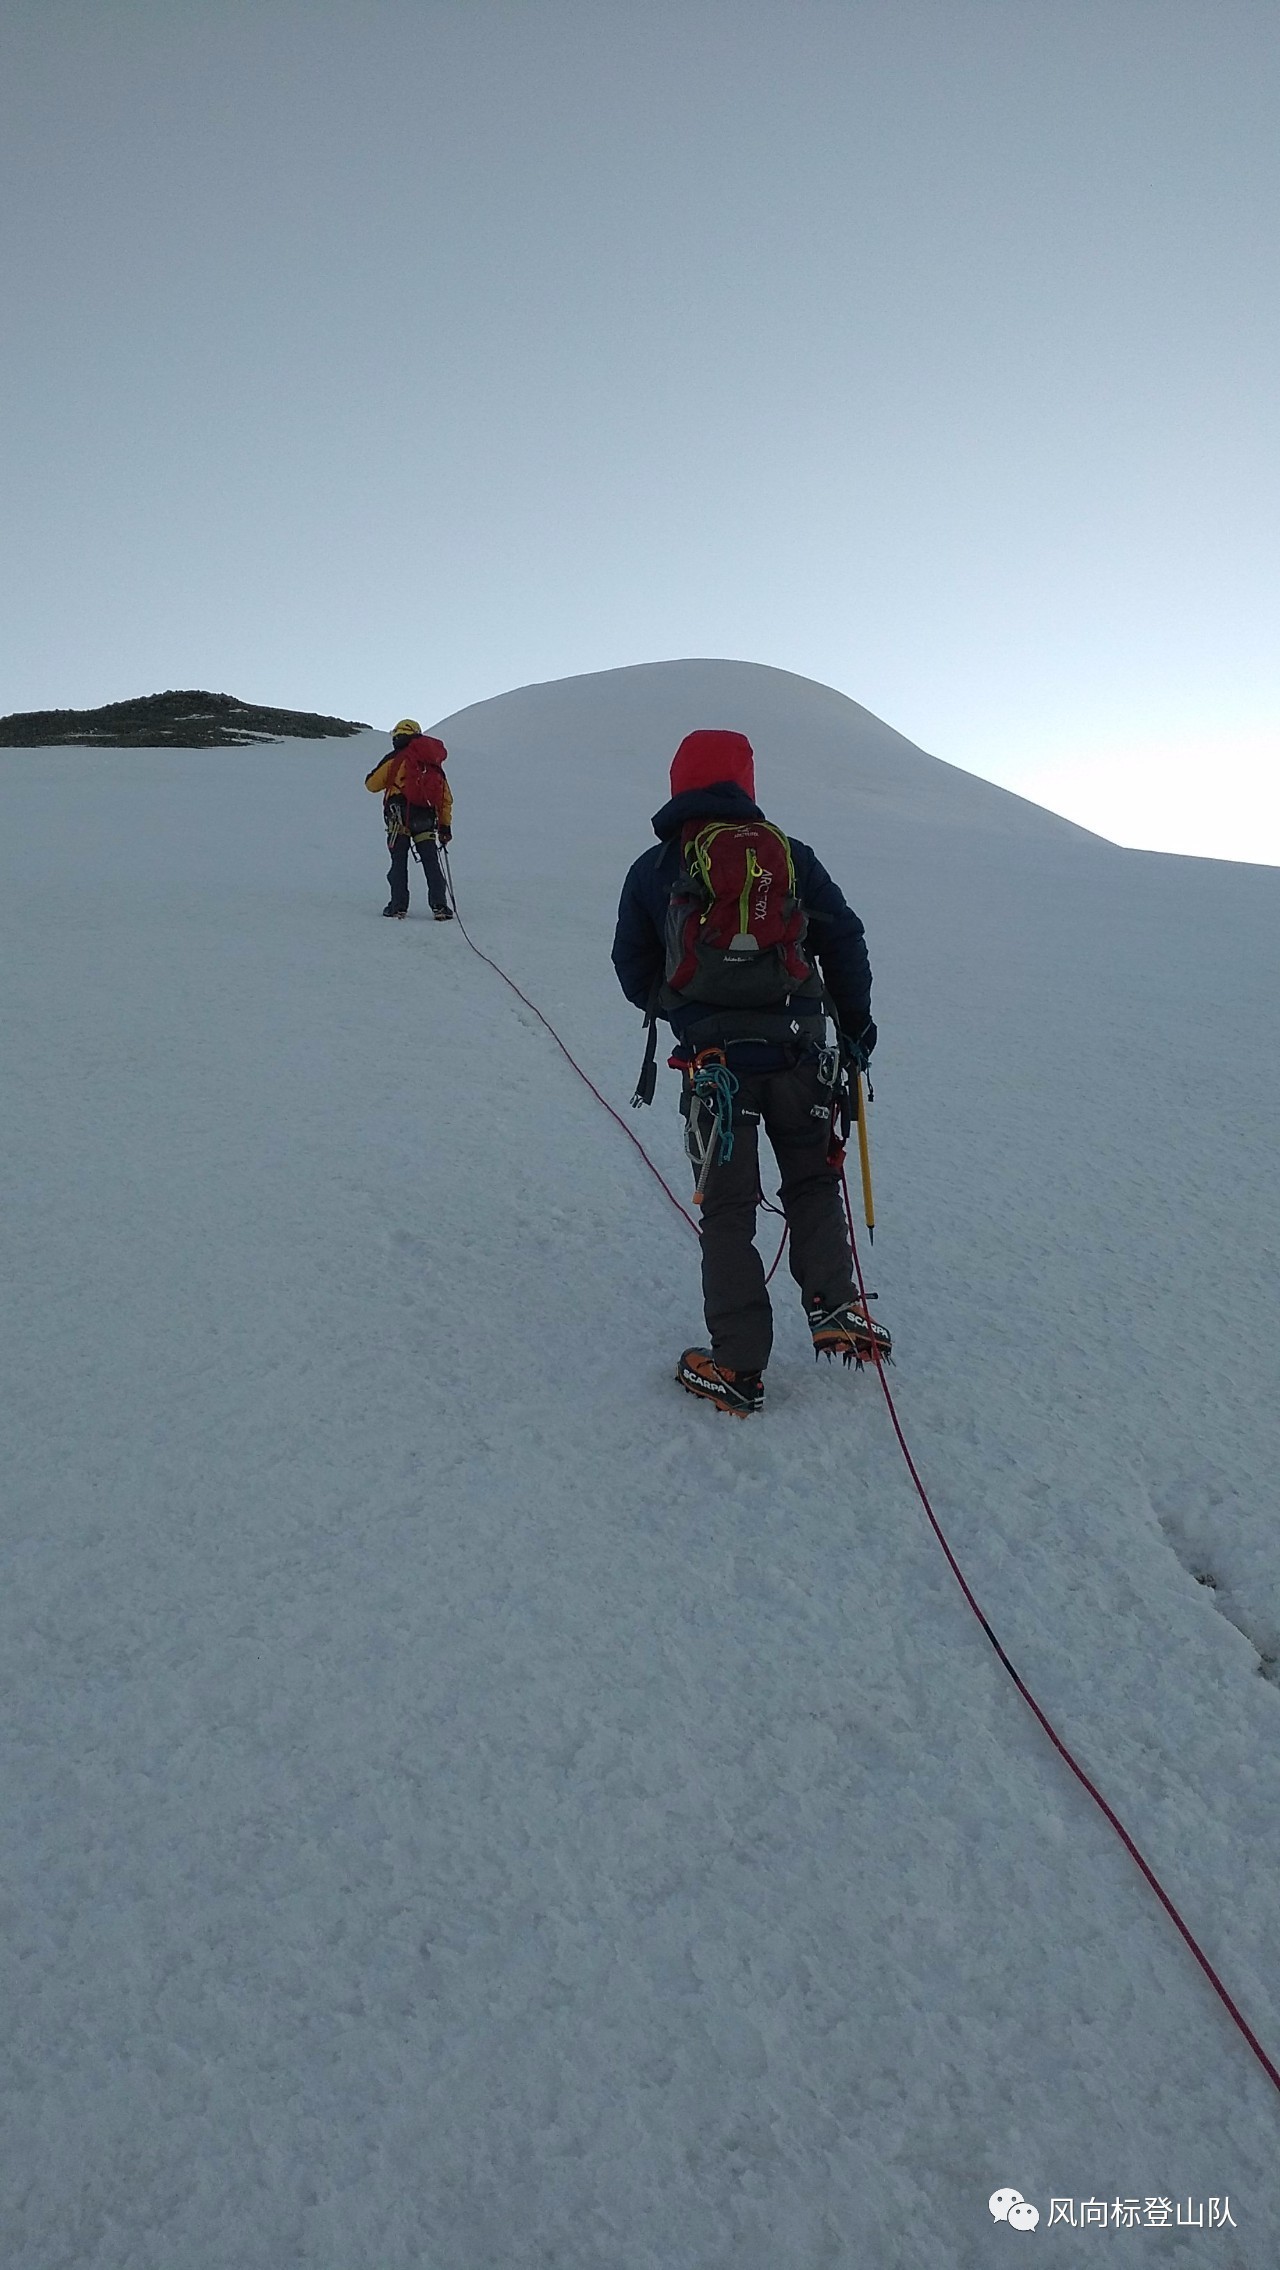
(418, 809)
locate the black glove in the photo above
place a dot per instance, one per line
(445, 834)
(859, 1051)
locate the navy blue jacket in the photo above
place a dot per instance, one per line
(835, 939)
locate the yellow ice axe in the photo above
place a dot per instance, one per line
(864, 1156)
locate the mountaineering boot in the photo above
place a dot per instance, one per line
(442, 913)
(850, 1333)
(397, 913)
(738, 1391)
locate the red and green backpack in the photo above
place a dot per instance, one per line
(734, 923)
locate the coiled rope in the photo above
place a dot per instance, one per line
(1108, 1811)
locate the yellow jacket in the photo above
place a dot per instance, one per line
(387, 780)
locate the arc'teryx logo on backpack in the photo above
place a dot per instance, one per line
(734, 923)
(760, 903)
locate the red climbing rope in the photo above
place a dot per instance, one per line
(615, 1116)
(536, 1011)
(1272, 2073)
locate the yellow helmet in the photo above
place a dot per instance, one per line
(405, 730)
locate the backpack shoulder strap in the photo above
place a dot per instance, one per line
(648, 1079)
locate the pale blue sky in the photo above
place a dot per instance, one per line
(378, 357)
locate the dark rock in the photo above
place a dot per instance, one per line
(167, 721)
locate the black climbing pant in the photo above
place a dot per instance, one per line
(419, 834)
(794, 1108)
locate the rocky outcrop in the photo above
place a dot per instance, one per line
(167, 721)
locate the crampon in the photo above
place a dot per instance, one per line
(850, 1333)
(741, 1392)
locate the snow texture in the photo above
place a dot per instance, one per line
(468, 1804)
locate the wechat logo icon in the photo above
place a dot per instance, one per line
(1008, 2206)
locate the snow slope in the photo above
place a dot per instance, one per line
(469, 1805)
